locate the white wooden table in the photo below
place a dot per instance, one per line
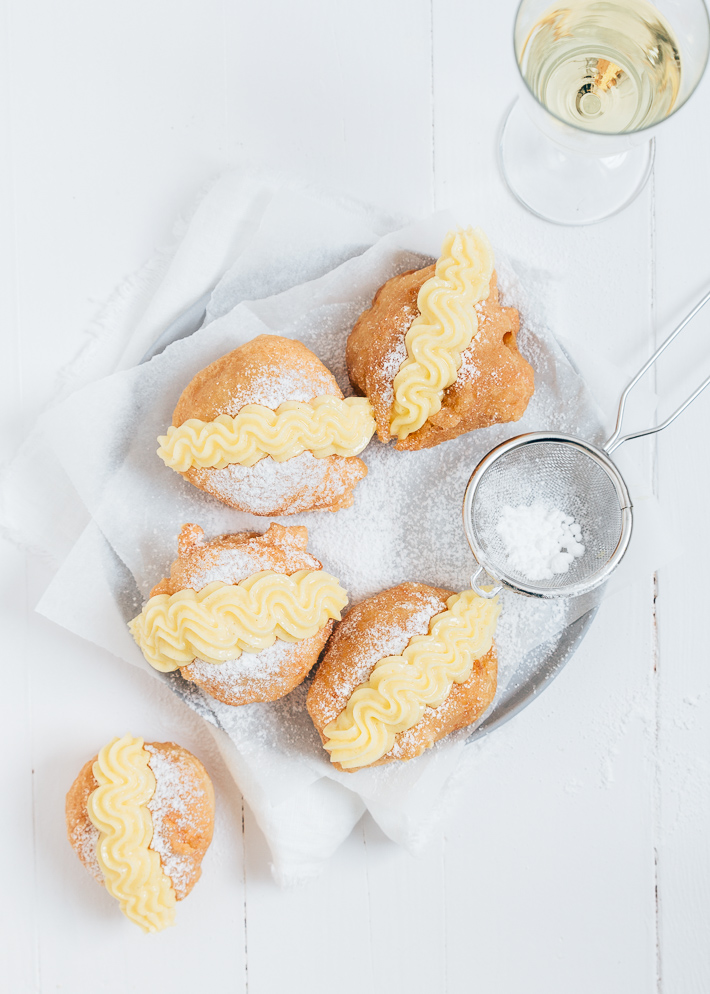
(577, 861)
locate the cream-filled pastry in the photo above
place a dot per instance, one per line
(436, 354)
(140, 817)
(244, 616)
(267, 430)
(403, 669)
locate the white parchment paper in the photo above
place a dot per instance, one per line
(405, 524)
(255, 239)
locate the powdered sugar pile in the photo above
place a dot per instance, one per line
(540, 541)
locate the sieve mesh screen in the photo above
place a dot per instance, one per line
(561, 476)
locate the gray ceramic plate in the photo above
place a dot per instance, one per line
(535, 672)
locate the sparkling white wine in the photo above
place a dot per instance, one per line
(603, 65)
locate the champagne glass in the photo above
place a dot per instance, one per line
(598, 78)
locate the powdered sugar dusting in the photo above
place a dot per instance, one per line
(468, 370)
(268, 485)
(235, 564)
(391, 365)
(249, 668)
(275, 384)
(384, 639)
(404, 741)
(481, 312)
(232, 565)
(171, 807)
(85, 839)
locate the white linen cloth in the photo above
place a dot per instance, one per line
(281, 259)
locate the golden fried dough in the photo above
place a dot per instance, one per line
(268, 371)
(260, 676)
(382, 626)
(182, 815)
(494, 382)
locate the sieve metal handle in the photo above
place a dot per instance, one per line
(481, 591)
(613, 442)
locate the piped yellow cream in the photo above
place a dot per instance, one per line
(446, 325)
(117, 807)
(401, 687)
(326, 426)
(220, 621)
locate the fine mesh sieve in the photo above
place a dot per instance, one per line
(569, 475)
(559, 471)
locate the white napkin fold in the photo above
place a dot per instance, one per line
(270, 237)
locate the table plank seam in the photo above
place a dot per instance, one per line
(656, 800)
(432, 188)
(246, 917)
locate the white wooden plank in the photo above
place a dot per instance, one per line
(553, 869)
(312, 937)
(550, 856)
(17, 919)
(18, 962)
(350, 104)
(340, 93)
(683, 273)
(82, 697)
(118, 117)
(409, 914)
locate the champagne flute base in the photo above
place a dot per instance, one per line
(564, 186)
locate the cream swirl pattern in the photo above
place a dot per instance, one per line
(400, 687)
(326, 426)
(117, 807)
(220, 621)
(446, 325)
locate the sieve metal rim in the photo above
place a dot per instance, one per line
(601, 458)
